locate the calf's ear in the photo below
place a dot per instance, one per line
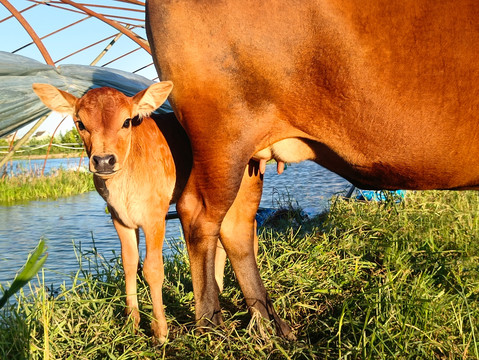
(150, 99)
(55, 99)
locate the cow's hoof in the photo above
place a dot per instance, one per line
(210, 321)
(264, 328)
(285, 331)
(207, 323)
(289, 335)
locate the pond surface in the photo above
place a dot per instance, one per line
(82, 219)
(35, 166)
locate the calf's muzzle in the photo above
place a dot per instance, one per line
(104, 164)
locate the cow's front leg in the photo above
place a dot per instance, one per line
(130, 260)
(236, 212)
(206, 199)
(220, 260)
(201, 240)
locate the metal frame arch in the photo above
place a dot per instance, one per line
(43, 50)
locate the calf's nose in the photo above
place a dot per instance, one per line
(105, 163)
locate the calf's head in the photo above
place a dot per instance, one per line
(104, 118)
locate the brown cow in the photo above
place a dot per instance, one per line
(384, 93)
(140, 166)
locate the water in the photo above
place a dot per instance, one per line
(307, 184)
(82, 219)
(36, 166)
(79, 219)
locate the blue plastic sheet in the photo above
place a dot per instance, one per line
(381, 195)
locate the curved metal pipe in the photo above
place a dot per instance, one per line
(30, 31)
(127, 32)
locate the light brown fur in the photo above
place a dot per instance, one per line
(152, 164)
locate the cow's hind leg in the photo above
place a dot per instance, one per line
(239, 238)
(130, 261)
(220, 262)
(220, 259)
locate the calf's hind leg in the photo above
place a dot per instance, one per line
(220, 262)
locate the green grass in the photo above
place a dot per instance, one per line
(366, 281)
(62, 183)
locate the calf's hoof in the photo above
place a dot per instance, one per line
(134, 314)
(160, 332)
(159, 341)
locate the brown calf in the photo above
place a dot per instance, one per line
(384, 93)
(140, 166)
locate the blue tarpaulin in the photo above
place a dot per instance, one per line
(381, 195)
(19, 105)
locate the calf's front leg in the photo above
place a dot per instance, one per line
(154, 273)
(130, 260)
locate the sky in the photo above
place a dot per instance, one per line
(46, 19)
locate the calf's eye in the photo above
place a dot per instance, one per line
(127, 122)
(80, 125)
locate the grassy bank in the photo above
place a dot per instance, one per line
(25, 187)
(54, 153)
(62, 155)
(366, 281)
